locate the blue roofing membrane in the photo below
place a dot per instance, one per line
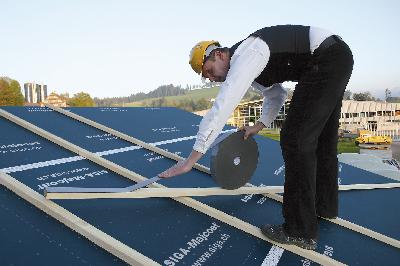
(163, 229)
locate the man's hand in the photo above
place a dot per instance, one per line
(251, 130)
(179, 168)
(182, 167)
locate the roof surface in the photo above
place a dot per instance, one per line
(162, 229)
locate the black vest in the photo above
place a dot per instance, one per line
(289, 47)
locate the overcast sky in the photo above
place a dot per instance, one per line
(116, 48)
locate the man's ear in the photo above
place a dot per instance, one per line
(219, 54)
(222, 55)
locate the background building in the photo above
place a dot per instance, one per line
(381, 118)
(35, 93)
(248, 113)
(55, 100)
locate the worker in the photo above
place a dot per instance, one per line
(321, 63)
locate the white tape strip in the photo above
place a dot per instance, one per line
(273, 257)
(41, 164)
(24, 167)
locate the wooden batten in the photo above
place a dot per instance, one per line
(201, 207)
(166, 193)
(352, 226)
(77, 224)
(202, 168)
(126, 137)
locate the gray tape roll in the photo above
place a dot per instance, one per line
(234, 160)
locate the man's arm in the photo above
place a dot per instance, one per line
(247, 63)
(182, 166)
(274, 98)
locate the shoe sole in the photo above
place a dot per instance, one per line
(298, 244)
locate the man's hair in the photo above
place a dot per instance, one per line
(212, 54)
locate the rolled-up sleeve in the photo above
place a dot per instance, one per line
(247, 63)
(274, 98)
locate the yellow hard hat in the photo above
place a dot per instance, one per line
(199, 52)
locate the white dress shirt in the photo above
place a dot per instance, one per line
(247, 63)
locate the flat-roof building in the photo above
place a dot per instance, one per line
(35, 93)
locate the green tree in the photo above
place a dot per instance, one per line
(393, 100)
(10, 92)
(64, 95)
(81, 99)
(256, 97)
(202, 104)
(363, 96)
(388, 94)
(347, 95)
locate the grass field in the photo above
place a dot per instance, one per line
(270, 134)
(345, 145)
(195, 95)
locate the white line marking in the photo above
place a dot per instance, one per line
(40, 164)
(24, 167)
(273, 257)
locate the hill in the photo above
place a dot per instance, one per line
(161, 91)
(193, 100)
(195, 95)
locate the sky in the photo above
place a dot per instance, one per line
(117, 48)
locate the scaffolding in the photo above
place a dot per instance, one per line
(248, 113)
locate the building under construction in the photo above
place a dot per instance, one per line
(248, 113)
(381, 118)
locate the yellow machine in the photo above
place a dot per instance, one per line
(365, 137)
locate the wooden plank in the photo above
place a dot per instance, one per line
(196, 192)
(77, 224)
(365, 231)
(348, 225)
(126, 137)
(255, 231)
(175, 157)
(72, 147)
(368, 186)
(212, 212)
(166, 193)
(352, 226)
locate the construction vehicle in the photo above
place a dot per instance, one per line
(365, 137)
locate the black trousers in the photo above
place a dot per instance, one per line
(309, 140)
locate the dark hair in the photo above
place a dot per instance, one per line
(212, 54)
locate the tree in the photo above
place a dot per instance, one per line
(10, 92)
(388, 94)
(393, 100)
(64, 95)
(81, 99)
(161, 91)
(363, 96)
(202, 104)
(256, 97)
(347, 95)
